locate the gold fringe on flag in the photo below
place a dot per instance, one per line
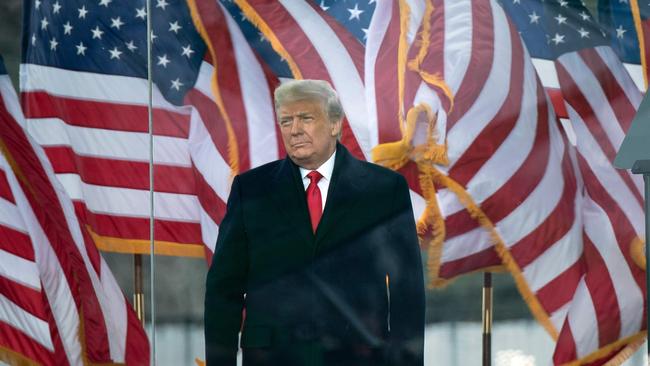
(252, 15)
(233, 149)
(636, 15)
(435, 80)
(12, 357)
(402, 55)
(635, 343)
(630, 344)
(637, 252)
(142, 246)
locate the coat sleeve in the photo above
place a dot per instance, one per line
(226, 285)
(406, 285)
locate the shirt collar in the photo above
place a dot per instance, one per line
(325, 169)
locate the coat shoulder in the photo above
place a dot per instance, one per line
(258, 174)
(378, 173)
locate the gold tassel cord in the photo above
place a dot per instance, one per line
(395, 155)
(433, 222)
(508, 261)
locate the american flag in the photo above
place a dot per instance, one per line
(84, 93)
(604, 303)
(626, 23)
(59, 302)
(487, 156)
(505, 187)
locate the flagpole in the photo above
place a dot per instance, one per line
(138, 293)
(643, 167)
(487, 318)
(151, 181)
(646, 180)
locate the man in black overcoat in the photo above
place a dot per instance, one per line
(320, 249)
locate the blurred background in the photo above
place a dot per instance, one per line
(453, 314)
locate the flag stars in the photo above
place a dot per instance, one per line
(67, 28)
(262, 38)
(534, 18)
(33, 39)
(105, 2)
(563, 3)
(37, 4)
(56, 8)
(583, 33)
(355, 12)
(153, 36)
(81, 49)
(559, 38)
(44, 23)
(560, 19)
(115, 53)
(365, 33)
(176, 84)
(131, 46)
(162, 4)
(53, 44)
(620, 32)
(516, 2)
(322, 5)
(82, 12)
(116, 23)
(141, 13)
(97, 33)
(584, 15)
(187, 51)
(174, 27)
(163, 61)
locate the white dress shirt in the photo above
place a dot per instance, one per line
(324, 183)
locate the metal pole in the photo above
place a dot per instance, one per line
(646, 179)
(138, 293)
(151, 181)
(487, 318)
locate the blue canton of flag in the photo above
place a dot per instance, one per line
(354, 15)
(616, 17)
(551, 28)
(108, 37)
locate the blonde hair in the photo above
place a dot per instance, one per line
(317, 90)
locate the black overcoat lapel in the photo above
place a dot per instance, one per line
(348, 181)
(288, 193)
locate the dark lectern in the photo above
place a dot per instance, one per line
(635, 154)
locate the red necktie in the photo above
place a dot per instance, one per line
(314, 200)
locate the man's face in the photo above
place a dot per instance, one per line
(308, 135)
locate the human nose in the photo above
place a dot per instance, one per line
(296, 126)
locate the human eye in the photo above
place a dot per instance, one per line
(307, 118)
(284, 122)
